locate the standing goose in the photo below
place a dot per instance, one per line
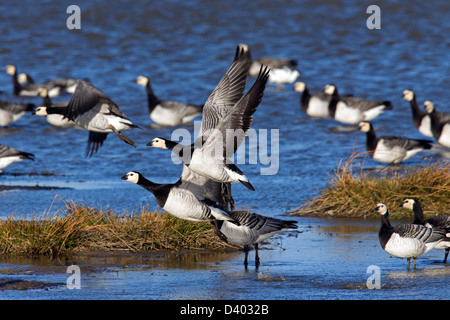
(391, 149)
(30, 89)
(13, 111)
(406, 240)
(436, 222)
(9, 155)
(168, 112)
(90, 109)
(421, 118)
(282, 70)
(212, 157)
(54, 119)
(187, 199)
(440, 124)
(352, 110)
(249, 229)
(314, 105)
(65, 84)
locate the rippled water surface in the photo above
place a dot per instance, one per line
(184, 47)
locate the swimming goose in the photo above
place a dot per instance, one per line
(184, 199)
(314, 105)
(54, 119)
(9, 155)
(13, 111)
(406, 240)
(440, 124)
(352, 110)
(29, 89)
(421, 118)
(64, 84)
(90, 109)
(391, 149)
(168, 112)
(281, 69)
(439, 222)
(214, 137)
(249, 229)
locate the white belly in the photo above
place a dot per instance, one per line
(444, 139)
(318, 108)
(404, 247)
(165, 117)
(4, 162)
(389, 155)
(425, 127)
(184, 205)
(345, 114)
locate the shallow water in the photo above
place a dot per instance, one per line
(185, 47)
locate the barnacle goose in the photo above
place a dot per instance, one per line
(227, 115)
(168, 112)
(391, 149)
(351, 110)
(314, 105)
(189, 198)
(439, 222)
(64, 84)
(54, 119)
(90, 109)
(282, 70)
(248, 228)
(9, 155)
(13, 111)
(440, 124)
(421, 118)
(30, 88)
(406, 240)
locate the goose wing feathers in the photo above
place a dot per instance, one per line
(86, 97)
(419, 232)
(261, 224)
(227, 93)
(361, 103)
(202, 187)
(16, 107)
(405, 143)
(6, 151)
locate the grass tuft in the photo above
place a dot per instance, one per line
(355, 193)
(82, 228)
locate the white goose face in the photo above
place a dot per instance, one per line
(243, 46)
(429, 106)
(408, 95)
(22, 78)
(408, 204)
(10, 69)
(40, 111)
(141, 80)
(158, 143)
(131, 176)
(330, 89)
(364, 126)
(381, 208)
(299, 86)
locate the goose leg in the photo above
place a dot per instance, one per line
(123, 137)
(256, 256)
(407, 264)
(229, 197)
(246, 250)
(414, 263)
(446, 255)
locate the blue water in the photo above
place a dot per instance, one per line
(184, 47)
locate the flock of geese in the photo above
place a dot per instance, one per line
(203, 191)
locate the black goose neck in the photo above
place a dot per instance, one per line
(304, 100)
(153, 101)
(371, 141)
(418, 213)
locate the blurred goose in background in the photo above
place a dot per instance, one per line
(406, 240)
(440, 124)
(13, 111)
(54, 119)
(352, 110)
(249, 229)
(67, 84)
(188, 199)
(29, 89)
(391, 149)
(421, 118)
(210, 154)
(9, 155)
(435, 222)
(314, 105)
(168, 112)
(282, 70)
(90, 109)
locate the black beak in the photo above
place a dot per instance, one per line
(124, 177)
(149, 144)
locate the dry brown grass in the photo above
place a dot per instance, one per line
(355, 193)
(82, 228)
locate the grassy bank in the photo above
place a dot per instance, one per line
(81, 228)
(354, 192)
